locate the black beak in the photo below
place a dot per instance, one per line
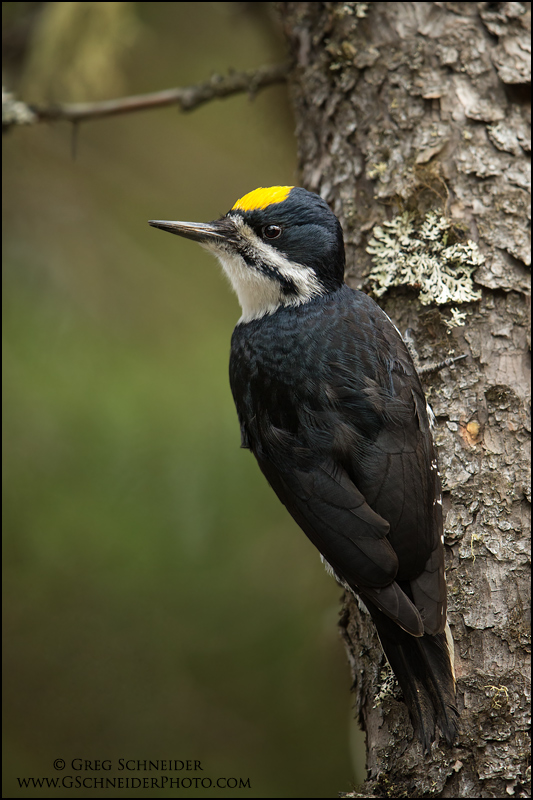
(203, 232)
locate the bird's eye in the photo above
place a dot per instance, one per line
(271, 231)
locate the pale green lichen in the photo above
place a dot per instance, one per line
(388, 686)
(377, 170)
(457, 319)
(15, 112)
(349, 9)
(422, 257)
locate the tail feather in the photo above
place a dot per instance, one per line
(424, 669)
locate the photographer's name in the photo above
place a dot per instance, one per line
(135, 765)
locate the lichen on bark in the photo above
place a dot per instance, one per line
(424, 256)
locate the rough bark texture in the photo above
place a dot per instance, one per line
(411, 107)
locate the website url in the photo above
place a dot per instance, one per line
(152, 782)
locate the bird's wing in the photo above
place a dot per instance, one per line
(351, 537)
(387, 448)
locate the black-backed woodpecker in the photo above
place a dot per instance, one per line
(330, 404)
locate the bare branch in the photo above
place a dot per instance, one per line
(187, 98)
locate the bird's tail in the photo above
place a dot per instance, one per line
(424, 669)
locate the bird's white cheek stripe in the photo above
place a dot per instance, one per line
(260, 294)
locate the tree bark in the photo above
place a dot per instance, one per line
(405, 108)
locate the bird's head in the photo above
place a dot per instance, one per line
(279, 246)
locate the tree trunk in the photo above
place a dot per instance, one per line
(401, 109)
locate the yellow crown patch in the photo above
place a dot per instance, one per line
(262, 198)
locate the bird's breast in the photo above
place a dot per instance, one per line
(305, 371)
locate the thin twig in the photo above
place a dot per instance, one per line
(187, 97)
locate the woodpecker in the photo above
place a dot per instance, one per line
(330, 404)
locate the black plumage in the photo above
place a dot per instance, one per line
(331, 406)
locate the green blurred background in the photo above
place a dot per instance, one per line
(159, 601)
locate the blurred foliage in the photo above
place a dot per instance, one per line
(76, 50)
(159, 602)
